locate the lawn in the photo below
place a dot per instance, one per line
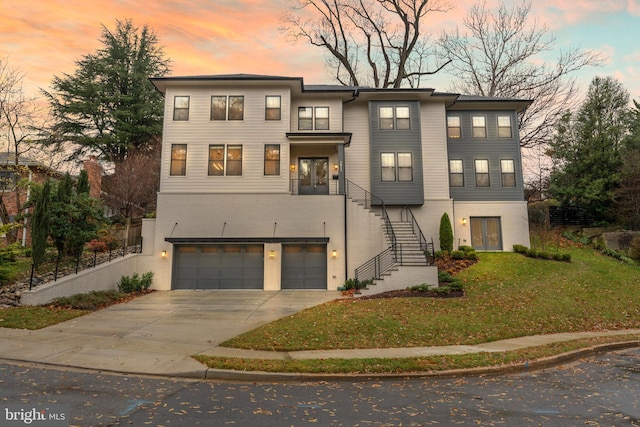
(507, 295)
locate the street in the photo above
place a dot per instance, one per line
(599, 391)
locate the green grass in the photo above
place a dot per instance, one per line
(507, 295)
(27, 317)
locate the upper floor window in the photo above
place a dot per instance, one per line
(504, 127)
(178, 165)
(456, 173)
(482, 173)
(310, 118)
(479, 126)
(227, 108)
(272, 107)
(398, 118)
(7, 179)
(454, 129)
(396, 167)
(508, 173)
(225, 160)
(272, 159)
(180, 108)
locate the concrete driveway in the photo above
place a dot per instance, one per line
(156, 333)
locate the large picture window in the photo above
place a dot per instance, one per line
(456, 173)
(225, 160)
(272, 159)
(482, 173)
(178, 165)
(180, 108)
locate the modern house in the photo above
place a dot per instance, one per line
(268, 183)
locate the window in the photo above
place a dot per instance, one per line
(322, 118)
(223, 110)
(225, 160)
(236, 108)
(504, 126)
(180, 108)
(404, 169)
(178, 160)
(479, 127)
(388, 167)
(456, 173)
(453, 127)
(482, 173)
(272, 107)
(395, 118)
(7, 180)
(272, 159)
(218, 108)
(305, 118)
(508, 173)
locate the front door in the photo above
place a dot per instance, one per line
(314, 173)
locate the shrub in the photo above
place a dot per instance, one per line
(356, 284)
(441, 254)
(472, 255)
(96, 245)
(422, 288)
(445, 277)
(566, 257)
(466, 249)
(532, 253)
(446, 233)
(544, 255)
(520, 249)
(458, 255)
(135, 283)
(634, 248)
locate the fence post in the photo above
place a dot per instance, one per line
(33, 266)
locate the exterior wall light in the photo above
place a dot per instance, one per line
(163, 254)
(334, 253)
(293, 168)
(335, 167)
(464, 221)
(272, 254)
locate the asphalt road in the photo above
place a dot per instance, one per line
(600, 391)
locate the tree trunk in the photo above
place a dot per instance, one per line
(4, 216)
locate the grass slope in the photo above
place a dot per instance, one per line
(507, 295)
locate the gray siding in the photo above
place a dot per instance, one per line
(396, 141)
(491, 148)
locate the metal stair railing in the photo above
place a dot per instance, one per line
(360, 195)
(428, 248)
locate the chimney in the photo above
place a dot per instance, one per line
(94, 171)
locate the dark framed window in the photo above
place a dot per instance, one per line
(482, 173)
(272, 159)
(218, 108)
(272, 107)
(504, 127)
(7, 180)
(178, 165)
(225, 160)
(180, 108)
(236, 108)
(394, 118)
(454, 128)
(322, 118)
(456, 173)
(405, 167)
(305, 118)
(216, 160)
(387, 167)
(479, 126)
(508, 173)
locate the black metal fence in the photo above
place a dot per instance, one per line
(55, 266)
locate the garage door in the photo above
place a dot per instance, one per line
(304, 266)
(218, 267)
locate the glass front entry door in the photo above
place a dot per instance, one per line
(486, 234)
(313, 176)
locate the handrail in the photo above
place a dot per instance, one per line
(407, 214)
(360, 195)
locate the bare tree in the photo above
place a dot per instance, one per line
(380, 43)
(501, 54)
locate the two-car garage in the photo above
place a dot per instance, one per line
(241, 265)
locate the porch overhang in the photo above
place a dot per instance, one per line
(319, 137)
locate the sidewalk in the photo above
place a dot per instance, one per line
(156, 335)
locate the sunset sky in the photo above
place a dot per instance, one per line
(44, 38)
